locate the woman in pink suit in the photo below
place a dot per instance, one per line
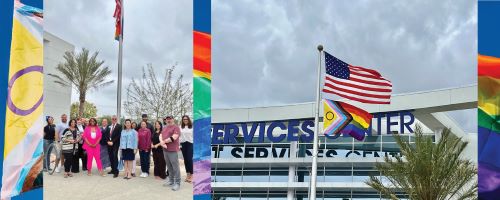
(91, 136)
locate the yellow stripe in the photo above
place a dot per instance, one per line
(489, 95)
(490, 107)
(360, 120)
(198, 73)
(26, 51)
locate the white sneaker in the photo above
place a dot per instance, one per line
(146, 175)
(176, 187)
(143, 175)
(58, 170)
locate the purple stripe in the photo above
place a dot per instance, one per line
(354, 131)
(10, 103)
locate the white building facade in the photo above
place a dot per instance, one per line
(254, 156)
(57, 99)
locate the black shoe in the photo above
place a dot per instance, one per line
(110, 173)
(133, 174)
(115, 175)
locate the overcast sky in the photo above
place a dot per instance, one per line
(264, 52)
(157, 32)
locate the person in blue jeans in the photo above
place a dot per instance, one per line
(49, 136)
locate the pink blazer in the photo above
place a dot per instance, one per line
(87, 134)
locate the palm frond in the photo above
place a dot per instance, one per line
(427, 169)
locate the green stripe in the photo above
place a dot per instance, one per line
(355, 123)
(201, 98)
(488, 121)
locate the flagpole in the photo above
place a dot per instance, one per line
(312, 195)
(120, 53)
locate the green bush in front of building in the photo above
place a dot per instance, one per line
(427, 170)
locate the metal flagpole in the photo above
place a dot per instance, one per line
(120, 49)
(312, 194)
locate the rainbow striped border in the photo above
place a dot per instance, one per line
(202, 99)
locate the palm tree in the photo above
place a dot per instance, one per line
(428, 170)
(84, 72)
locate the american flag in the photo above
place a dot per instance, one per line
(355, 83)
(118, 16)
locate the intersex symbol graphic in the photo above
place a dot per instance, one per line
(329, 115)
(10, 103)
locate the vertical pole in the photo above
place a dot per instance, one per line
(120, 53)
(314, 173)
(291, 171)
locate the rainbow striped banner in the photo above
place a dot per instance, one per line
(22, 163)
(489, 126)
(202, 99)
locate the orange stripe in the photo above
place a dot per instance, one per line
(357, 111)
(202, 51)
(488, 66)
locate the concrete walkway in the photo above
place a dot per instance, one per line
(95, 187)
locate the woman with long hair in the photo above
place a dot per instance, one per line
(158, 160)
(128, 145)
(70, 138)
(91, 137)
(187, 146)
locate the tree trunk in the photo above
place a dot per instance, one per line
(82, 104)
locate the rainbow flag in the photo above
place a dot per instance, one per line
(202, 112)
(23, 134)
(335, 118)
(118, 20)
(489, 126)
(360, 122)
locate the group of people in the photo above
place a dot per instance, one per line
(107, 144)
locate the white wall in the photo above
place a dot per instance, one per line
(57, 99)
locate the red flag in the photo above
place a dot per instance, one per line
(118, 16)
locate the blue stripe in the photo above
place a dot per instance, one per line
(202, 16)
(6, 15)
(36, 194)
(488, 151)
(202, 197)
(354, 131)
(34, 3)
(488, 29)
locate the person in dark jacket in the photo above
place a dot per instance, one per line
(104, 146)
(113, 141)
(49, 136)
